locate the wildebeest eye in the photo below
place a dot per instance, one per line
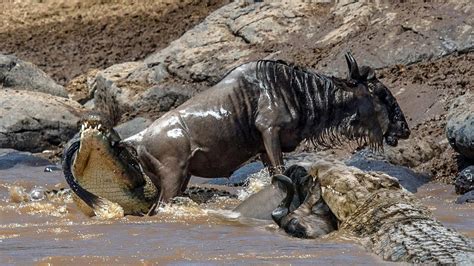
(371, 87)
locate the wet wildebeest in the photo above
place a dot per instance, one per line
(312, 218)
(266, 108)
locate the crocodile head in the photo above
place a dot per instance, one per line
(104, 172)
(345, 188)
(101, 151)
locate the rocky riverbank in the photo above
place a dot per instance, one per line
(134, 62)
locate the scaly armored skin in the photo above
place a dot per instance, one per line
(265, 108)
(387, 219)
(104, 174)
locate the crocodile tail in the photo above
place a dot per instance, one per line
(98, 204)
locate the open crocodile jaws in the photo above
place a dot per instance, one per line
(107, 171)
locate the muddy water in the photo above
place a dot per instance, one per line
(56, 232)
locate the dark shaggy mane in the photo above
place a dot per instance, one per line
(325, 103)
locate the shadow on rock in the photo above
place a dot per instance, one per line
(9, 158)
(240, 176)
(409, 179)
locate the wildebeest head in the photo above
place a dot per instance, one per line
(389, 118)
(312, 218)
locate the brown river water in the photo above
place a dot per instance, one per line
(56, 232)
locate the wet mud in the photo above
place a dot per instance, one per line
(67, 38)
(55, 231)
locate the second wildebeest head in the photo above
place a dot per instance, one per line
(389, 118)
(312, 218)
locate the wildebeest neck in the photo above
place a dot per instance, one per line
(324, 105)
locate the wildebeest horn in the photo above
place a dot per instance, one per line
(353, 67)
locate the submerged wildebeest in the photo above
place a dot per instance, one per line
(266, 108)
(312, 218)
(290, 187)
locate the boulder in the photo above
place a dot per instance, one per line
(132, 127)
(121, 101)
(21, 75)
(35, 121)
(467, 197)
(413, 151)
(247, 30)
(381, 34)
(460, 126)
(240, 177)
(9, 158)
(203, 54)
(465, 180)
(409, 179)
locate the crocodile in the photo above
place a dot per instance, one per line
(374, 209)
(264, 108)
(104, 173)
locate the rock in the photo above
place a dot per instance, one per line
(468, 197)
(132, 127)
(226, 38)
(412, 152)
(465, 180)
(81, 88)
(460, 126)
(9, 158)
(382, 35)
(118, 102)
(240, 176)
(379, 34)
(409, 179)
(21, 75)
(203, 54)
(35, 121)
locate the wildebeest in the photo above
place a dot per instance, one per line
(312, 218)
(266, 108)
(291, 187)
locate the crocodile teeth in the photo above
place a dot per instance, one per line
(332, 190)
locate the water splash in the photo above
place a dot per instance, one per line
(255, 183)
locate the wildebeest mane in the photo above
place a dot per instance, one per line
(325, 104)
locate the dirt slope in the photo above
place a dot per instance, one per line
(66, 38)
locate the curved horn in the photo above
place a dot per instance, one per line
(288, 185)
(353, 67)
(284, 208)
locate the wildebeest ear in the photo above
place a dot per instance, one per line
(367, 73)
(353, 67)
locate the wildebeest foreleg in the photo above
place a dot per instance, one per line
(271, 141)
(268, 164)
(169, 174)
